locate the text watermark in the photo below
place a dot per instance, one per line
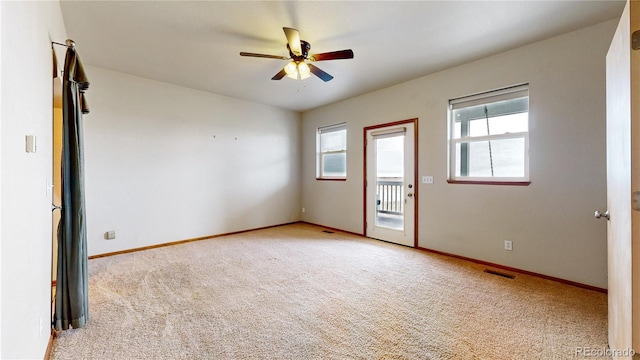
(593, 352)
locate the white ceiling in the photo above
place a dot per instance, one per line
(196, 44)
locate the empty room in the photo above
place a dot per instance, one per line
(319, 179)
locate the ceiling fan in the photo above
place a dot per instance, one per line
(299, 55)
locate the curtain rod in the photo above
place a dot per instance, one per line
(67, 43)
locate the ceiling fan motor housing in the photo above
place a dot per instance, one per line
(305, 47)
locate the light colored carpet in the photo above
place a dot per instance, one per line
(295, 292)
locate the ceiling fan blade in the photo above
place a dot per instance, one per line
(242, 53)
(293, 38)
(279, 75)
(320, 73)
(333, 55)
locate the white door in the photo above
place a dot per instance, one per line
(623, 179)
(390, 185)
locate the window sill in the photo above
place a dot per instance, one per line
(476, 182)
(330, 179)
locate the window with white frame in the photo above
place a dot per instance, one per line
(332, 152)
(489, 137)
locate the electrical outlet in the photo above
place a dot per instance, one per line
(303, 209)
(110, 235)
(508, 245)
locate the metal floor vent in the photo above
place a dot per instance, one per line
(327, 231)
(493, 272)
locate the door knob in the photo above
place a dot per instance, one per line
(599, 215)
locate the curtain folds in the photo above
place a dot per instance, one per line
(72, 285)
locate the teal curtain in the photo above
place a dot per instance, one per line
(72, 284)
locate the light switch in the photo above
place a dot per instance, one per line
(30, 141)
(427, 179)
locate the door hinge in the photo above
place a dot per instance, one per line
(635, 201)
(635, 40)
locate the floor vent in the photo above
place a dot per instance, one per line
(327, 231)
(493, 272)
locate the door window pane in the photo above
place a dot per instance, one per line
(390, 182)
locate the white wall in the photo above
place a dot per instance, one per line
(551, 221)
(25, 205)
(155, 173)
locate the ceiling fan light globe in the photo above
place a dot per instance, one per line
(304, 70)
(291, 69)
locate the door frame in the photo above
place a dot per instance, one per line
(413, 121)
(55, 185)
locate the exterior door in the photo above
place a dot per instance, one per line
(390, 182)
(623, 179)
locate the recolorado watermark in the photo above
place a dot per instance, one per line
(592, 352)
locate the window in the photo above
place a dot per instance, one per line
(489, 137)
(332, 152)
